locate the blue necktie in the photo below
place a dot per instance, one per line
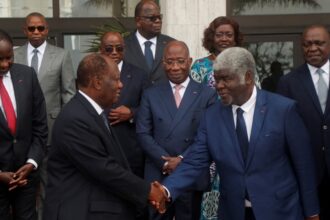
(242, 133)
(148, 54)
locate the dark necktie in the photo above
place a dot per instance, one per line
(105, 120)
(34, 60)
(242, 133)
(322, 89)
(8, 107)
(148, 54)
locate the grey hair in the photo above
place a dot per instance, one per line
(237, 60)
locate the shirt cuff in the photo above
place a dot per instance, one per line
(168, 194)
(33, 162)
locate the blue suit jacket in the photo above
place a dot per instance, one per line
(165, 130)
(279, 172)
(299, 86)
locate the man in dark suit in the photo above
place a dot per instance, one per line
(259, 144)
(23, 135)
(55, 73)
(88, 174)
(166, 126)
(304, 85)
(144, 47)
(122, 113)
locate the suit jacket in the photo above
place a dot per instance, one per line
(299, 86)
(31, 125)
(134, 80)
(56, 76)
(135, 56)
(165, 130)
(88, 174)
(279, 172)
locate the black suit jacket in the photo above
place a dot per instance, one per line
(31, 128)
(134, 55)
(134, 80)
(88, 174)
(299, 86)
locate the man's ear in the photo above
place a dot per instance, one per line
(249, 78)
(96, 82)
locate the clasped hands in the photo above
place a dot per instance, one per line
(17, 179)
(158, 197)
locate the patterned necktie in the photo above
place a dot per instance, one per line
(148, 54)
(34, 60)
(177, 95)
(8, 107)
(242, 133)
(322, 89)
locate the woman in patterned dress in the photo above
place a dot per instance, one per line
(222, 33)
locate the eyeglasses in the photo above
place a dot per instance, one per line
(33, 28)
(153, 18)
(180, 62)
(224, 34)
(111, 49)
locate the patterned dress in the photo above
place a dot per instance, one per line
(202, 71)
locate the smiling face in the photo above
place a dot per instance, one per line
(176, 62)
(6, 56)
(224, 37)
(316, 46)
(36, 30)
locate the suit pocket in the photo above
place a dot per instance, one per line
(105, 206)
(286, 192)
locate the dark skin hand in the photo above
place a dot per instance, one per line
(20, 176)
(172, 163)
(8, 179)
(120, 114)
(313, 218)
(158, 197)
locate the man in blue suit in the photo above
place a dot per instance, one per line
(167, 121)
(303, 85)
(259, 144)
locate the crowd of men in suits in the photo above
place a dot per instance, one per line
(138, 130)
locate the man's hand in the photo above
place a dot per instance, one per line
(6, 177)
(158, 197)
(20, 176)
(170, 164)
(119, 114)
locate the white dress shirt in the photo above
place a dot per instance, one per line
(96, 106)
(142, 40)
(184, 86)
(315, 76)
(41, 52)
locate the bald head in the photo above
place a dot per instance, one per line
(112, 45)
(177, 44)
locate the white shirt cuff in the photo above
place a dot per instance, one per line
(31, 161)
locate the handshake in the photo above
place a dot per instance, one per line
(158, 197)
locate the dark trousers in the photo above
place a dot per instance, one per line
(324, 198)
(249, 215)
(20, 203)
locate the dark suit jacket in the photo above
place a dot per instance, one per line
(165, 130)
(134, 55)
(88, 174)
(31, 128)
(279, 174)
(134, 80)
(299, 86)
(56, 77)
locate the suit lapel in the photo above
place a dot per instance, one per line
(47, 58)
(167, 97)
(21, 55)
(258, 119)
(228, 120)
(137, 52)
(191, 94)
(126, 78)
(307, 82)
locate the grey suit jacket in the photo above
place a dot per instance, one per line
(56, 77)
(134, 55)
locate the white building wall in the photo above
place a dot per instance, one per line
(186, 20)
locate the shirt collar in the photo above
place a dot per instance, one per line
(96, 106)
(142, 39)
(120, 66)
(184, 84)
(247, 106)
(41, 48)
(325, 68)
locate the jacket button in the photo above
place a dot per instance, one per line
(186, 140)
(325, 127)
(323, 148)
(14, 141)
